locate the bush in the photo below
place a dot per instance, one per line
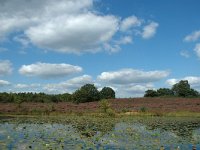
(110, 112)
(104, 105)
(143, 109)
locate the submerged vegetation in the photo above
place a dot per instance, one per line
(99, 132)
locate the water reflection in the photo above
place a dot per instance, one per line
(155, 134)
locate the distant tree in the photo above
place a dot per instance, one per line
(181, 89)
(193, 93)
(107, 93)
(150, 93)
(165, 92)
(87, 93)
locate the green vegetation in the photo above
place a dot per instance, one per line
(99, 132)
(87, 93)
(104, 105)
(107, 93)
(106, 108)
(181, 89)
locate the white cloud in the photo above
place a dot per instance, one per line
(74, 34)
(185, 53)
(149, 30)
(68, 26)
(127, 76)
(129, 23)
(65, 26)
(47, 70)
(194, 81)
(194, 36)
(134, 90)
(68, 86)
(21, 14)
(171, 82)
(112, 48)
(125, 40)
(197, 49)
(25, 86)
(5, 67)
(4, 83)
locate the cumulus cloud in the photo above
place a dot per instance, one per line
(129, 23)
(68, 86)
(194, 81)
(197, 49)
(74, 34)
(47, 70)
(5, 67)
(133, 90)
(20, 14)
(62, 26)
(130, 82)
(149, 30)
(194, 36)
(65, 26)
(127, 76)
(4, 83)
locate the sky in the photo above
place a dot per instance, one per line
(129, 45)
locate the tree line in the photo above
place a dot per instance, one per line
(180, 89)
(86, 93)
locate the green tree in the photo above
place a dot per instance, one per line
(181, 89)
(193, 93)
(87, 93)
(165, 92)
(107, 93)
(150, 93)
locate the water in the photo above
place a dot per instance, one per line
(137, 134)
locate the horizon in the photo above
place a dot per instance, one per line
(56, 47)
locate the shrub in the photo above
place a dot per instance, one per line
(110, 112)
(143, 109)
(104, 105)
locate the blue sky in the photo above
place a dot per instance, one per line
(133, 45)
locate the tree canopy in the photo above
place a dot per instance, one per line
(86, 93)
(107, 93)
(180, 89)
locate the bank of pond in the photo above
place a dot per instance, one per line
(99, 132)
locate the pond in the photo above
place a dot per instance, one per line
(100, 133)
